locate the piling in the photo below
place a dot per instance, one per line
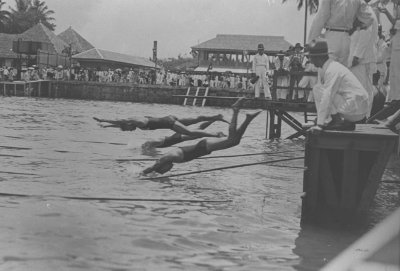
(343, 172)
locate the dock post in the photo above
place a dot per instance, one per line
(15, 89)
(39, 88)
(343, 172)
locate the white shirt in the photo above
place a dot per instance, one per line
(285, 63)
(339, 14)
(336, 79)
(260, 61)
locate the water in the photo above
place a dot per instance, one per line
(52, 149)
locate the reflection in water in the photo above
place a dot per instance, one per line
(237, 219)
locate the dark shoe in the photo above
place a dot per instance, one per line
(341, 126)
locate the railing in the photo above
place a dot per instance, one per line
(38, 88)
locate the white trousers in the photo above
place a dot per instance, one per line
(350, 110)
(282, 81)
(364, 75)
(338, 46)
(262, 83)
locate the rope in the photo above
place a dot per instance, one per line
(209, 157)
(221, 168)
(112, 199)
(18, 173)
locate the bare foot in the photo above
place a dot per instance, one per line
(220, 117)
(221, 134)
(239, 102)
(252, 116)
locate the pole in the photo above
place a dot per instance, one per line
(305, 21)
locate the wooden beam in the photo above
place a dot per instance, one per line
(375, 175)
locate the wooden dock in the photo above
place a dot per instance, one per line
(343, 172)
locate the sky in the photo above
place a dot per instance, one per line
(131, 26)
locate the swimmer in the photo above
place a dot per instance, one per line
(179, 125)
(176, 138)
(204, 146)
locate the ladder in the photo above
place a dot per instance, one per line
(198, 92)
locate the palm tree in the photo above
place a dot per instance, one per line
(41, 13)
(28, 13)
(4, 17)
(312, 6)
(19, 17)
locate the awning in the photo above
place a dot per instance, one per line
(222, 70)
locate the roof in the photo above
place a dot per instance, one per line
(99, 54)
(78, 43)
(6, 45)
(41, 33)
(243, 43)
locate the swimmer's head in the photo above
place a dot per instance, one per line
(162, 168)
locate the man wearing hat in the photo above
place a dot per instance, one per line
(296, 65)
(281, 62)
(340, 98)
(260, 68)
(337, 17)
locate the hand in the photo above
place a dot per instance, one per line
(315, 130)
(355, 61)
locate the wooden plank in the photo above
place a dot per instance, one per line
(204, 100)
(292, 124)
(271, 124)
(196, 96)
(327, 181)
(187, 93)
(348, 199)
(340, 144)
(375, 175)
(312, 181)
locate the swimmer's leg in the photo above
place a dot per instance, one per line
(190, 121)
(236, 108)
(246, 122)
(182, 129)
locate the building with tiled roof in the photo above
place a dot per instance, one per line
(40, 33)
(77, 42)
(103, 59)
(235, 52)
(52, 51)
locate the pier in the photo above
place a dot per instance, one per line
(343, 172)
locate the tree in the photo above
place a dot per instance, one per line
(4, 17)
(41, 13)
(28, 13)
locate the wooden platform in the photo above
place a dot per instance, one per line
(343, 171)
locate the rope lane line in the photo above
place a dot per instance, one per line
(110, 198)
(18, 173)
(221, 168)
